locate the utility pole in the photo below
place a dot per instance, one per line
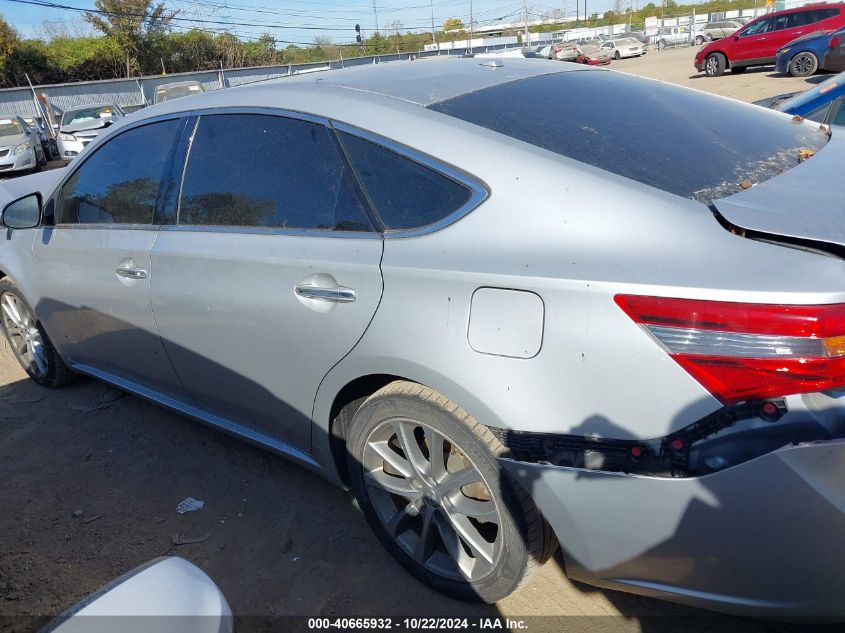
(433, 34)
(525, 11)
(470, 26)
(375, 13)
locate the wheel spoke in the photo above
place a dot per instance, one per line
(393, 458)
(436, 446)
(394, 485)
(473, 507)
(472, 537)
(425, 546)
(413, 452)
(399, 522)
(36, 352)
(11, 311)
(456, 551)
(463, 477)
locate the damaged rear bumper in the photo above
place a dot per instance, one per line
(763, 538)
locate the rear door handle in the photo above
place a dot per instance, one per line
(337, 294)
(131, 272)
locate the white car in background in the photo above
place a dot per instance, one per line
(624, 47)
(82, 125)
(20, 147)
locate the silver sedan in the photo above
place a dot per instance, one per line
(20, 146)
(421, 281)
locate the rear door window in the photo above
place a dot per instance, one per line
(255, 170)
(818, 15)
(405, 193)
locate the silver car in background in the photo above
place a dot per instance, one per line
(462, 304)
(20, 146)
(80, 126)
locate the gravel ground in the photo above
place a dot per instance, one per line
(91, 479)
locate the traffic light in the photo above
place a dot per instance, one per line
(358, 31)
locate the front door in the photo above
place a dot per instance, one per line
(752, 42)
(93, 286)
(271, 274)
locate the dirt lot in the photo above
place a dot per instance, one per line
(676, 66)
(91, 480)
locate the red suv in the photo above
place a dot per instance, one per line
(757, 43)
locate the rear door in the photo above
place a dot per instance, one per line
(94, 263)
(785, 28)
(270, 274)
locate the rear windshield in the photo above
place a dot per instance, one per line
(682, 141)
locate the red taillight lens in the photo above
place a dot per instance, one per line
(746, 351)
(834, 41)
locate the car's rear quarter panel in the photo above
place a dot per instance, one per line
(575, 236)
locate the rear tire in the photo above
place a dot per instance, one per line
(485, 536)
(28, 340)
(699, 40)
(714, 65)
(661, 44)
(803, 64)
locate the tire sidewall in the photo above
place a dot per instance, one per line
(511, 567)
(798, 56)
(47, 380)
(720, 65)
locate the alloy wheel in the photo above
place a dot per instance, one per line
(432, 500)
(23, 335)
(802, 65)
(712, 65)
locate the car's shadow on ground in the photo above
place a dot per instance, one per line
(92, 478)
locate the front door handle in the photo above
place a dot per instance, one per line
(336, 294)
(131, 272)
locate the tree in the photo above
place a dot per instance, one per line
(136, 26)
(453, 24)
(8, 42)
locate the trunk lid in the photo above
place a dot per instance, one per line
(806, 202)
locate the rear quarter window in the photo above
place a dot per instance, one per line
(405, 194)
(641, 129)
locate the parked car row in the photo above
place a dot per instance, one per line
(27, 144)
(595, 51)
(794, 39)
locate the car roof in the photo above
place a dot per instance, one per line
(422, 81)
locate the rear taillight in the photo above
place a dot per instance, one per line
(834, 41)
(747, 351)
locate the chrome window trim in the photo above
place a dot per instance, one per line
(479, 191)
(262, 230)
(257, 230)
(108, 138)
(99, 226)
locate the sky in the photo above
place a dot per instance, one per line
(300, 21)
